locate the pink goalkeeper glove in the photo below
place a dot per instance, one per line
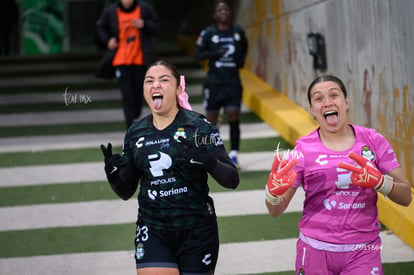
(367, 175)
(281, 178)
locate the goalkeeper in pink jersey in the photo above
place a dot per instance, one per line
(342, 167)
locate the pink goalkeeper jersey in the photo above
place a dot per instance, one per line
(335, 210)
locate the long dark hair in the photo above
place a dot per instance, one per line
(324, 78)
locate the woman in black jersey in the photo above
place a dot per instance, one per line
(224, 45)
(169, 154)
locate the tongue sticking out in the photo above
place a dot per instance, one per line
(157, 103)
(332, 120)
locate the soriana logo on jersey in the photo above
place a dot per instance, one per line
(153, 194)
(332, 204)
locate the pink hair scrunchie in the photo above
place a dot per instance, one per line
(183, 96)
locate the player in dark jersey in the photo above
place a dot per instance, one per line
(169, 154)
(224, 44)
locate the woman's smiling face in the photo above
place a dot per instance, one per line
(160, 89)
(329, 105)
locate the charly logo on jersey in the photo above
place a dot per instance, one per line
(206, 260)
(180, 133)
(367, 153)
(139, 142)
(322, 159)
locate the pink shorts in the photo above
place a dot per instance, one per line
(364, 260)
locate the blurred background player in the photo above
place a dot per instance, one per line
(224, 45)
(342, 168)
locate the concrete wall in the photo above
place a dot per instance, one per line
(369, 45)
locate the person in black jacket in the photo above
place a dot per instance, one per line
(169, 155)
(127, 28)
(224, 45)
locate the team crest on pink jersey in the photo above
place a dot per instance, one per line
(367, 153)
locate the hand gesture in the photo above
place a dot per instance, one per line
(198, 156)
(367, 175)
(281, 176)
(113, 163)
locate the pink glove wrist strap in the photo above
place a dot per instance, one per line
(386, 186)
(271, 198)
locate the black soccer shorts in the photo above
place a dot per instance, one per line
(217, 96)
(192, 251)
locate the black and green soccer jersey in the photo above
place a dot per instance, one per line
(173, 193)
(226, 51)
